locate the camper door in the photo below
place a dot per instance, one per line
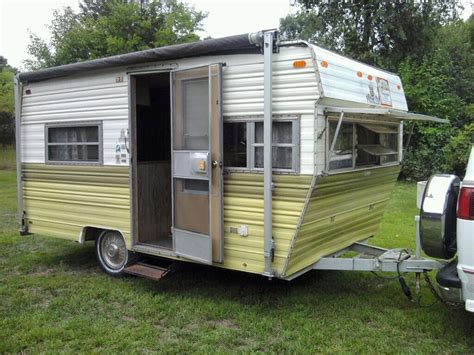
(197, 164)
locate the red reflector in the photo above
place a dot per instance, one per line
(466, 203)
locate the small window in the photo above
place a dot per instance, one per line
(359, 145)
(73, 144)
(235, 144)
(282, 151)
(243, 144)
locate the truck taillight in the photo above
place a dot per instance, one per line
(466, 203)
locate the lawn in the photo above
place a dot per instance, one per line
(54, 297)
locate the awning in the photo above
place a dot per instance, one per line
(218, 46)
(384, 113)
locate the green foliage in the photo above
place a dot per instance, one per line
(441, 84)
(110, 27)
(457, 151)
(7, 102)
(380, 32)
(425, 156)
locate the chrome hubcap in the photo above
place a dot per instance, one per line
(113, 250)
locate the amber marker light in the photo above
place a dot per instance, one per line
(359, 74)
(299, 64)
(399, 87)
(324, 64)
(369, 77)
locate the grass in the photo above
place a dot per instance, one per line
(7, 158)
(53, 297)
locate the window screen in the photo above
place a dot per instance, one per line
(73, 143)
(282, 151)
(196, 114)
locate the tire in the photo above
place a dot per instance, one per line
(112, 253)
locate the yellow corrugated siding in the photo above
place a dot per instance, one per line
(243, 205)
(60, 200)
(343, 208)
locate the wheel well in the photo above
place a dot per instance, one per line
(90, 233)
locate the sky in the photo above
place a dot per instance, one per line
(225, 17)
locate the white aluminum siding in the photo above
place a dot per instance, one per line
(340, 81)
(99, 97)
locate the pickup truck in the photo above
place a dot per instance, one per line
(447, 232)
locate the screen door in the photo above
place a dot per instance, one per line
(197, 164)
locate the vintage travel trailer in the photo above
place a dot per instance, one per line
(245, 152)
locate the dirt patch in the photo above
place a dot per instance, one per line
(42, 295)
(43, 271)
(14, 271)
(129, 319)
(226, 323)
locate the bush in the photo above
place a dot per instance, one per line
(457, 151)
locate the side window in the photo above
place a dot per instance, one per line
(80, 143)
(376, 144)
(243, 145)
(235, 144)
(283, 145)
(361, 145)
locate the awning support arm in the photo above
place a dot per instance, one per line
(336, 134)
(268, 245)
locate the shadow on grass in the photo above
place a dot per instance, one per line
(206, 280)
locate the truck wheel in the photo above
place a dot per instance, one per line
(112, 253)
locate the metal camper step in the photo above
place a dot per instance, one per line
(152, 272)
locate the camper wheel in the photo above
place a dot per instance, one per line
(112, 252)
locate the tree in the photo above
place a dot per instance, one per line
(109, 27)
(442, 84)
(378, 32)
(7, 102)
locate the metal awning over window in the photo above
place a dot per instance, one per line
(383, 113)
